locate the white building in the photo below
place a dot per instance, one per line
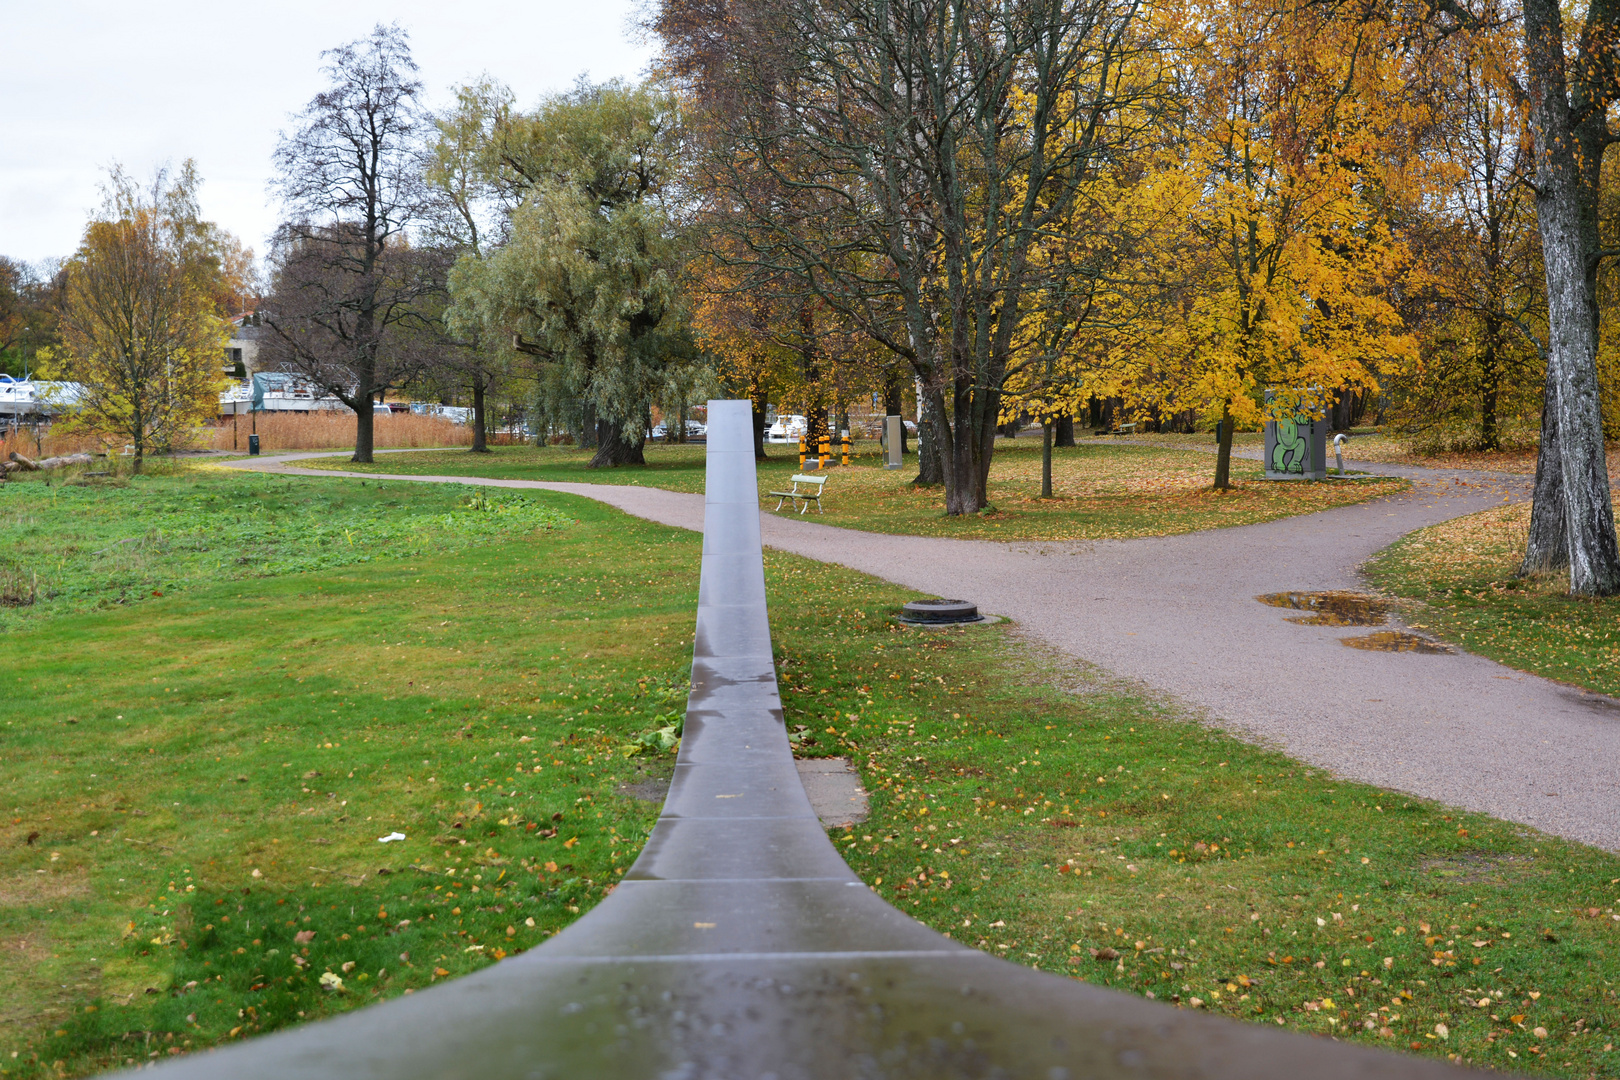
(242, 351)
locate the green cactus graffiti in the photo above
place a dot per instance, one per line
(1292, 447)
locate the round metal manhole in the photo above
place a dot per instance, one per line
(940, 612)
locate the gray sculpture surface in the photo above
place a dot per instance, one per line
(740, 945)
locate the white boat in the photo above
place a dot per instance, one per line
(786, 429)
(21, 398)
(276, 391)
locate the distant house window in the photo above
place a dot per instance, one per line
(233, 363)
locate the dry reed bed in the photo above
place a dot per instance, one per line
(277, 432)
(334, 430)
(52, 442)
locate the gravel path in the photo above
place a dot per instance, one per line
(1178, 614)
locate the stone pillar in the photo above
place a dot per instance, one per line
(893, 442)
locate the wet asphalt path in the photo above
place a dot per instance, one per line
(1178, 614)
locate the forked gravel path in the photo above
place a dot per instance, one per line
(1179, 614)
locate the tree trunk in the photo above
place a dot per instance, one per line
(480, 441)
(615, 446)
(1548, 547)
(1094, 413)
(1490, 388)
(1568, 256)
(1046, 460)
(930, 468)
(968, 448)
(893, 402)
(365, 419)
(587, 428)
(761, 405)
(1223, 455)
(1064, 435)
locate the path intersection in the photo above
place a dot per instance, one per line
(1178, 614)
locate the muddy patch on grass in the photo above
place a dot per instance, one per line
(1479, 867)
(653, 790)
(33, 887)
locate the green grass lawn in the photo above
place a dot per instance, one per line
(199, 780)
(196, 780)
(1460, 576)
(1112, 491)
(71, 542)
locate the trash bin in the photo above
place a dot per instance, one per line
(253, 445)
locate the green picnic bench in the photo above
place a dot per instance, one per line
(805, 489)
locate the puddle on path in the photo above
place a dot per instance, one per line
(1393, 641)
(1331, 608)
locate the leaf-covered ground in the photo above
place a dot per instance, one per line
(1100, 492)
(1461, 574)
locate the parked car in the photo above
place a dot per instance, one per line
(694, 430)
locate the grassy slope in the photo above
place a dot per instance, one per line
(1461, 574)
(1102, 491)
(1031, 822)
(194, 779)
(96, 543)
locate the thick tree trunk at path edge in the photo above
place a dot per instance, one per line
(615, 446)
(1223, 455)
(1548, 547)
(1064, 435)
(480, 442)
(1594, 555)
(967, 464)
(587, 431)
(930, 471)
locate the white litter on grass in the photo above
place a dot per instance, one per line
(390, 838)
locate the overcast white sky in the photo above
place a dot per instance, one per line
(84, 84)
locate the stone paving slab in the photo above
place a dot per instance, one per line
(834, 789)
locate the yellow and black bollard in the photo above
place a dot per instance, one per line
(801, 453)
(826, 451)
(846, 450)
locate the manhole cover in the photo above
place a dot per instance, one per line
(940, 611)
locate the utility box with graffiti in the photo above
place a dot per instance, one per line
(1296, 447)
